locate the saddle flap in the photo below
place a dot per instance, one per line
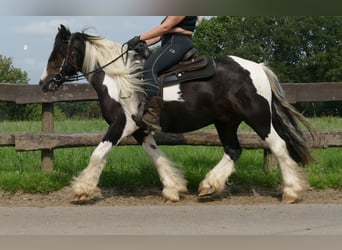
(197, 68)
(189, 65)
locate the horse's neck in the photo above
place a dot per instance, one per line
(129, 102)
(117, 80)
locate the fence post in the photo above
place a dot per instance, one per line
(47, 126)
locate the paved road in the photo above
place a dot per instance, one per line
(174, 220)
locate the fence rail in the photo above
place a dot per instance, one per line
(25, 93)
(48, 140)
(248, 140)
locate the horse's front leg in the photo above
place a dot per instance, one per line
(170, 176)
(85, 184)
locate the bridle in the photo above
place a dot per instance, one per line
(61, 77)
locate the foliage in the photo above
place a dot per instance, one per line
(10, 74)
(81, 110)
(12, 111)
(297, 48)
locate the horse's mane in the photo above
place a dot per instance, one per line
(100, 51)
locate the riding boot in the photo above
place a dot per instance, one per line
(151, 117)
(141, 111)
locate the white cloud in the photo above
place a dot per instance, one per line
(43, 27)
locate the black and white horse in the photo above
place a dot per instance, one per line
(240, 90)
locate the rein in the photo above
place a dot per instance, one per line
(59, 78)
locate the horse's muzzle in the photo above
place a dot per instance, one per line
(53, 84)
(50, 86)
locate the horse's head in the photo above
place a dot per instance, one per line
(65, 60)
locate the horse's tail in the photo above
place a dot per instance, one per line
(284, 117)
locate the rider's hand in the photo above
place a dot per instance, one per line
(132, 43)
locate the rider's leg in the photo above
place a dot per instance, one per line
(170, 53)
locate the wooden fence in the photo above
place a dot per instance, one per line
(47, 140)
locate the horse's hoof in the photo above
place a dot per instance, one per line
(81, 197)
(290, 200)
(168, 201)
(206, 191)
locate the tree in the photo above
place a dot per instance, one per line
(297, 48)
(80, 110)
(10, 74)
(12, 111)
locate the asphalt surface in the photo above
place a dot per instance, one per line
(173, 220)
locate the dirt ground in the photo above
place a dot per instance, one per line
(150, 197)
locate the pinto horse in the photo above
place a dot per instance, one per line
(240, 90)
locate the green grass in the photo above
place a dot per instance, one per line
(128, 168)
(60, 126)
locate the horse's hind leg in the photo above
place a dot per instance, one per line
(215, 180)
(293, 178)
(170, 176)
(294, 181)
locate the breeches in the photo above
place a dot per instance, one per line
(172, 50)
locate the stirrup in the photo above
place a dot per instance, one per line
(148, 127)
(141, 111)
(152, 126)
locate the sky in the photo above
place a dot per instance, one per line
(28, 40)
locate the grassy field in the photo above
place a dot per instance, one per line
(128, 168)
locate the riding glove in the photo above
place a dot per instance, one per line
(132, 43)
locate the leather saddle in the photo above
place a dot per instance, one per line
(191, 67)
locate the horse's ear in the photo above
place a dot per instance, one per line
(64, 32)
